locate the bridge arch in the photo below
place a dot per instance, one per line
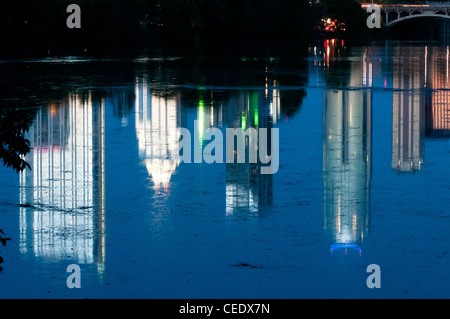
(397, 13)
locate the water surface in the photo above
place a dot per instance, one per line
(363, 176)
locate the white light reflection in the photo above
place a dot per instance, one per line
(347, 161)
(62, 198)
(247, 191)
(158, 132)
(408, 108)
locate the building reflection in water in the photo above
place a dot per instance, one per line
(247, 190)
(209, 114)
(158, 130)
(408, 108)
(62, 198)
(158, 133)
(438, 107)
(420, 103)
(347, 131)
(121, 101)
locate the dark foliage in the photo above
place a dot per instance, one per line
(3, 240)
(13, 144)
(28, 27)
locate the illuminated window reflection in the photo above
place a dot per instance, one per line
(62, 197)
(347, 160)
(158, 132)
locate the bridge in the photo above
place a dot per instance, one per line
(396, 13)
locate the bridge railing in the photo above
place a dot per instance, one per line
(417, 5)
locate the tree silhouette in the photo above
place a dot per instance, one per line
(14, 146)
(3, 240)
(14, 123)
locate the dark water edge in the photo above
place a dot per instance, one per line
(201, 51)
(195, 50)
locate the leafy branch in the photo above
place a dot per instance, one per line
(3, 240)
(13, 144)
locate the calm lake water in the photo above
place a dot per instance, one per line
(363, 176)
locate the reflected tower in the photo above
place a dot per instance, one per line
(438, 111)
(347, 158)
(247, 190)
(408, 108)
(157, 124)
(209, 114)
(62, 198)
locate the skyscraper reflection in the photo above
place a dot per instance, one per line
(438, 113)
(159, 122)
(209, 114)
(62, 198)
(247, 190)
(347, 131)
(158, 132)
(408, 108)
